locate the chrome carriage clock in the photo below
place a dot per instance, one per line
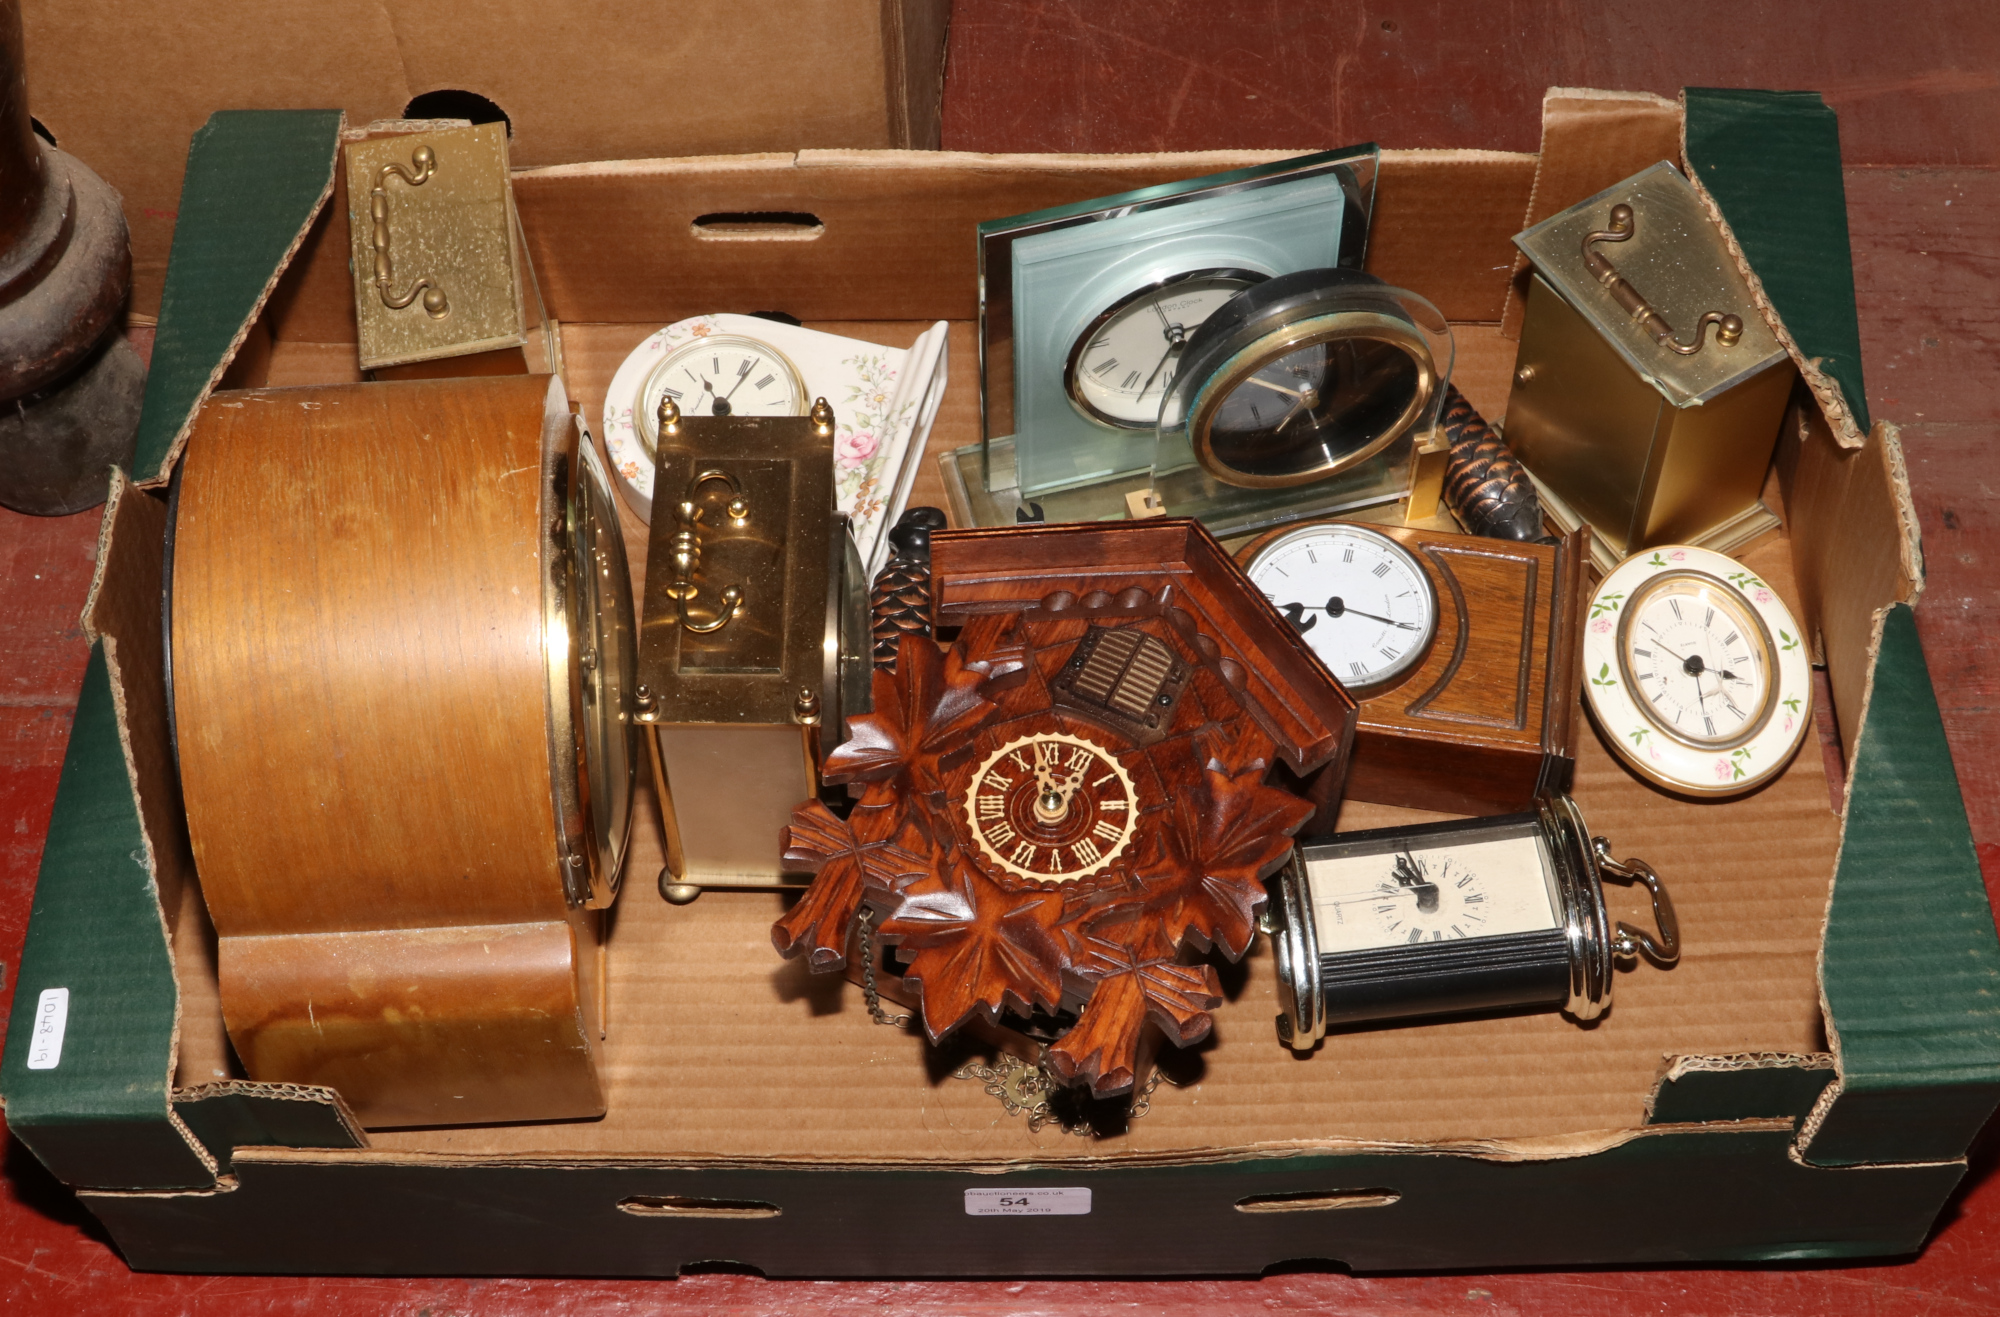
(1450, 918)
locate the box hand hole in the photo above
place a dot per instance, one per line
(711, 1209)
(758, 226)
(1318, 1200)
(454, 103)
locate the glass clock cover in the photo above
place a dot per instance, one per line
(1450, 889)
(1054, 282)
(1121, 363)
(1696, 671)
(1362, 601)
(1303, 394)
(720, 375)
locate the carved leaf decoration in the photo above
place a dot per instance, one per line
(988, 652)
(879, 847)
(880, 744)
(896, 847)
(1102, 1048)
(819, 842)
(1132, 987)
(1180, 997)
(1244, 835)
(927, 699)
(971, 946)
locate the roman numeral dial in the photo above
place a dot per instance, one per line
(1049, 807)
(1122, 361)
(719, 375)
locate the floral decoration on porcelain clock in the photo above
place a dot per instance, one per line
(883, 401)
(1696, 671)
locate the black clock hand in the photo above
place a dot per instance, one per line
(741, 375)
(1410, 874)
(1337, 607)
(710, 390)
(1692, 664)
(1164, 358)
(1296, 615)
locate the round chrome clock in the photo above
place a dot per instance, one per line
(1306, 375)
(1122, 362)
(1051, 807)
(1431, 919)
(720, 375)
(1696, 671)
(1362, 601)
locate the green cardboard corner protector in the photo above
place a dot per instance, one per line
(1770, 160)
(255, 181)
(90, 1043)
(1919, 1051)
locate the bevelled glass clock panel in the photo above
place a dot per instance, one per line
(1087, 308)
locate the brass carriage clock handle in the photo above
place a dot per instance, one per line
(687, 540)
(1629, 942)
(423, 164)
(1729, 328)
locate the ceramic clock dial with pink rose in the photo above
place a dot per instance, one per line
(883, 400)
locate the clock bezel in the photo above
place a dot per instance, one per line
(1752, 728)
(1394, 674)
(1236, 369)
(647, 424)
(1669, 762)
(1242, 276)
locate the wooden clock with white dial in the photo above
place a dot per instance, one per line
(1461, 649)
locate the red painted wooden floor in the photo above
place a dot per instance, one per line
(1918, 88)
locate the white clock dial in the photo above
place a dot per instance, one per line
(1697, 659)
(1361, 600)
(719, 375)
(1433, 894)
(1120, 366)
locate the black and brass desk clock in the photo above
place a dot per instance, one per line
(753, 646)
(1648, 390)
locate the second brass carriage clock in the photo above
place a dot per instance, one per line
(753, 645)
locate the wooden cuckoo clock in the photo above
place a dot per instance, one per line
(1081, 790)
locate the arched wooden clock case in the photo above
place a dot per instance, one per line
(402, 645)
(1063, 808)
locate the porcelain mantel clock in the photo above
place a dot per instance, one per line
(1076, 790)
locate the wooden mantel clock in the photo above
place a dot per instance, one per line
(1073, 794)
(1463, 650)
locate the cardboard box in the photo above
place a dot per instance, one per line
(122, 88)
(1803, 1085)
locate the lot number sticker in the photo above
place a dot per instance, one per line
(52, 1018)
(1027, 1202)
